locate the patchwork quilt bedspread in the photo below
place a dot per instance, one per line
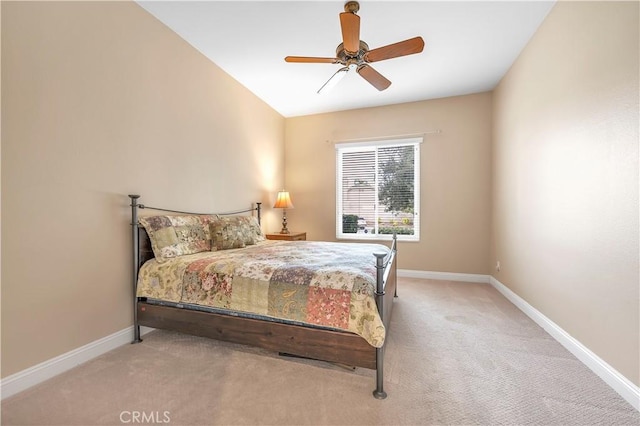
(320, 283)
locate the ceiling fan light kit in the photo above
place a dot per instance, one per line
(354, 53)
(334, 80)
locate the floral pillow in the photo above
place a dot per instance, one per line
(235, 232)
(254, 229)
(173, 236)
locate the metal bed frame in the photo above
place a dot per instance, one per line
(293, 339)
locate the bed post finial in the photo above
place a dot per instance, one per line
(136, 264)
(258, 208)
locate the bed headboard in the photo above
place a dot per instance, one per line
(142, 251)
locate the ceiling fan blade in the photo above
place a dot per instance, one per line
(376, 79)
(350, 24)
(311, 60)
(402, 48)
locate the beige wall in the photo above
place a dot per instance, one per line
(565, 177)
(101, 100)
(455, 176)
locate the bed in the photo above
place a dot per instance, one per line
(221, 279)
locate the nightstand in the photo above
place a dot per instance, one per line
(292, 236)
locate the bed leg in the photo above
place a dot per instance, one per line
(136, 334)
(379, 393)
(136, 326)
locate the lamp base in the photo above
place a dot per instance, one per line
(284, 229)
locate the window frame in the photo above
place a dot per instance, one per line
(374, 145)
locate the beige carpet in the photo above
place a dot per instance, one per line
(458, 353)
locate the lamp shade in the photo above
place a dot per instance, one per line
(283, 201)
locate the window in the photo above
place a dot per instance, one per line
(378, 187)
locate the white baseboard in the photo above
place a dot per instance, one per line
(623, 386)
(24, 379)
(447, 276)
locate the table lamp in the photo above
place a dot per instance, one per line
(283, 201)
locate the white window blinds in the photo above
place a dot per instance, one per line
(378, 187)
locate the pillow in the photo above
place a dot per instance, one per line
(235, 232)
(173, 236)
(255, 230)
(206, 221)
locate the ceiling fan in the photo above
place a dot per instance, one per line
(354, 53)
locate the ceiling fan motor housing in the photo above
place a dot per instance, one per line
(345, 58)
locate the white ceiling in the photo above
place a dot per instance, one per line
(469, 46)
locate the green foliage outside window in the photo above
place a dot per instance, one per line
(349, 223)
(395, 229)
(396, 180)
